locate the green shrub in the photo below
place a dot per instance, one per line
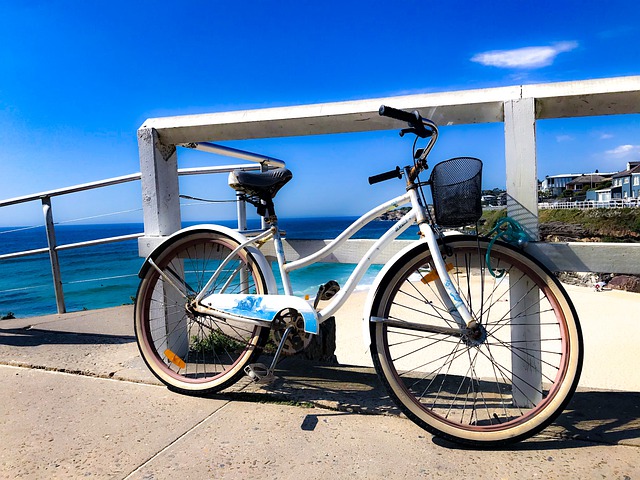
(215, 341)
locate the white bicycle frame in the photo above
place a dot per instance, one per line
(416, 214)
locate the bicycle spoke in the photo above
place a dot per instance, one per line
(184, 349)
(482, 380)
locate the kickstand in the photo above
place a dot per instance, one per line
(259, 372)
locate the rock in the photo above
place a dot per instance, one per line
(323, 346)
(582, 279)
(628, 283)
(394, 215)
(563, 232)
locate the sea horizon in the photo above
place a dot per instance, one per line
(106, 275)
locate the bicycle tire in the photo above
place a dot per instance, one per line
(193, 353)
(469, 389)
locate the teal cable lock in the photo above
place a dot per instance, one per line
(510, 231)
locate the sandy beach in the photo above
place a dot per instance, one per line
(608, 321)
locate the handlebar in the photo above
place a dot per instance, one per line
(415, 121)
(396, 173)
(409, 117)
(423, 128)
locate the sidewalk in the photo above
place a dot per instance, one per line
(77, 401)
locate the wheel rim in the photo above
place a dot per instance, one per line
(450, 390)
(191, 351)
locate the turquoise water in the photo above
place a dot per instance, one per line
(106, 275)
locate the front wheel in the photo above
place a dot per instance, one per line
(502, 381)
(190, 352)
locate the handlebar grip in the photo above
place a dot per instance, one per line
(410, 117)
(397, 173)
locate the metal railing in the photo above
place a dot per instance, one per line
(588, 204)
(50, 226)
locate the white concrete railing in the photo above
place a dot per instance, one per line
(518, 107)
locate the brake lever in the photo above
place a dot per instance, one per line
(408, 130)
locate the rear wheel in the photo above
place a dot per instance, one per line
(190, 352)
(500, 382)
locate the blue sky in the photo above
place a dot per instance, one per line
(78, 78)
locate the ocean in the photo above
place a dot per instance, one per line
(106, 275)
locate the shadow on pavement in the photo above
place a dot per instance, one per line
(31, 337)
(606, 417)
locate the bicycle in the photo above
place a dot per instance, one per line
(475, 340)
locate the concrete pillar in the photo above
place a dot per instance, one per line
(160, 191)
(521, 165)
(161, 213)
(526, 359)
(522, 206)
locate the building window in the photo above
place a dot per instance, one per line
(626, 180)
(636, 180)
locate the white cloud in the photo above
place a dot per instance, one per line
(563, 138)
(527, 57)
(624, 152)
(606, 136)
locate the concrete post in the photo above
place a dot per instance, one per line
(521, 165)
(522, 205)
(526, 360)
(161, 213)
(159, 180)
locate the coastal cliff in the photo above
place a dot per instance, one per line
(394, 215)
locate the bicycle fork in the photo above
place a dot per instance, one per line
(466, 327)
(446, 289)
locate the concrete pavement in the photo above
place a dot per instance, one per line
(77, 401)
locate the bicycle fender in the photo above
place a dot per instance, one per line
(261, 308)
(258, 256)
(368, 305)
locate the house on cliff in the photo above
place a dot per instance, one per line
(626, 184)
(590, 180)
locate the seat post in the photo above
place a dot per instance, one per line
(259, 189)
(263, 220)
(271, 217)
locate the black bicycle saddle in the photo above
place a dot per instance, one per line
(260, 184)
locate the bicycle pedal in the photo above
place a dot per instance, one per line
(326, 292)
(259, 373)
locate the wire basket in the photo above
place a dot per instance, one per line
(456, 185)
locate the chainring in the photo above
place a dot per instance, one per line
(298, 339)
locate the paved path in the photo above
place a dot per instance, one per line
(77, 402)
